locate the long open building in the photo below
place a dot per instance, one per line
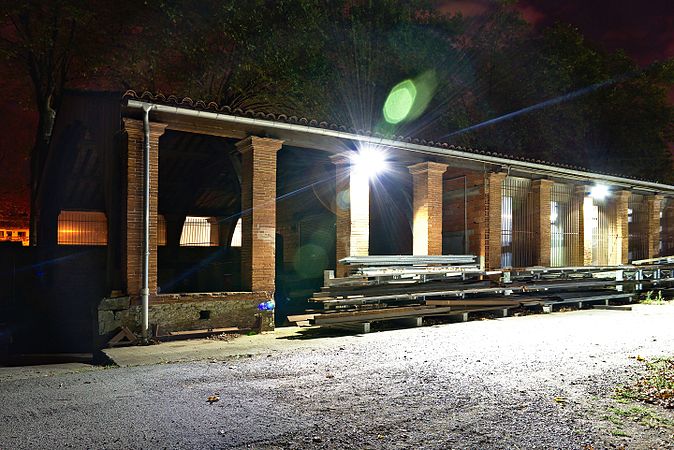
(248, 207)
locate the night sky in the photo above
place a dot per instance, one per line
(644, 29)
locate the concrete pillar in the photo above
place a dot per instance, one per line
(352, 211)
(133, 214)
(492, 195)
(541, 190)
(258, 205)
(621, 200)
(653, 207)
(427, 208)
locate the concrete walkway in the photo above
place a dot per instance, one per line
(204, 349)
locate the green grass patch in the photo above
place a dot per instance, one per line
(619, 433)
(653, 298)
(655, 386)
(642, 415)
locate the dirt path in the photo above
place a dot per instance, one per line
(539, 381)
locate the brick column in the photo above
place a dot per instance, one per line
(578, 205)
(352, 212)
(492, 194)
(427, 208)
(258, 205)
(653, 206)
(133, 215)
(621, 199)
(541, 190)
(215, 230)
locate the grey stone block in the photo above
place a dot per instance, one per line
(114, 304)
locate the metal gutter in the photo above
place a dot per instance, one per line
(525, 166)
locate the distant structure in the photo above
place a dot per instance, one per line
(14, 234)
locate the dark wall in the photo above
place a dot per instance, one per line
(199, 269)
(391, 212)
(55, 295)
(305, 226)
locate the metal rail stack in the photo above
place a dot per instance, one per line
(379, 288)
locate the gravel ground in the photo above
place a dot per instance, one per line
(541, 381)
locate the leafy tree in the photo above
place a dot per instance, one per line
(54, 44)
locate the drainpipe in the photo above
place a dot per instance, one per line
(145, 270)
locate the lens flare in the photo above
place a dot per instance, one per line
(399, 102)
(410, 98)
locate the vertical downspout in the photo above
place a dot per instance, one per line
(145, 270)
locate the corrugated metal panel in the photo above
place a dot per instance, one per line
(564, 225)
(82, 228)
(637, 220)
(667, 227)
(517, 223)
(197, 232)
(605, 242)
(161, 229)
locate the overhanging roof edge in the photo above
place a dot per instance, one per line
(525, 166)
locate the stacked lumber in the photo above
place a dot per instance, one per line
(405, 286)
(652, 261)
(399, 287)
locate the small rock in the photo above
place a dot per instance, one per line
(317, 439)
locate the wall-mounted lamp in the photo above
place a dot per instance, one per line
(599, 191)
(369, 160)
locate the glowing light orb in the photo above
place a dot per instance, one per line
(400, 101)
(370, 161)
(409, 99)
(599, 191)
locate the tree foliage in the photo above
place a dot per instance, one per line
(338, 61)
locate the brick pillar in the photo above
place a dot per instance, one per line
(427, 207)
(133, 217)
(492, 195)
(352, 211)
(621, 199)
(578, 205)
(215, 230)
(258, 205)
(653, 206)
(541, 190)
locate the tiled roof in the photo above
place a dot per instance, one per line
(200, 105)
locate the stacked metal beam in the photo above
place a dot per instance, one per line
(397, 287)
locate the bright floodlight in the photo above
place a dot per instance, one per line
(599, 191)
(368, 160)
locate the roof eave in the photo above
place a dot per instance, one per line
(512, 164)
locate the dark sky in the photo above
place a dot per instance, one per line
(644, 29)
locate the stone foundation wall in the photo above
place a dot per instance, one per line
(180, 312)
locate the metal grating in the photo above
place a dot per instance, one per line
(161, 230)
(517, 223)
(199, 232)
(605, 242)
(82, 228)
(564, 225)
(667, 227)
(637, 223)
